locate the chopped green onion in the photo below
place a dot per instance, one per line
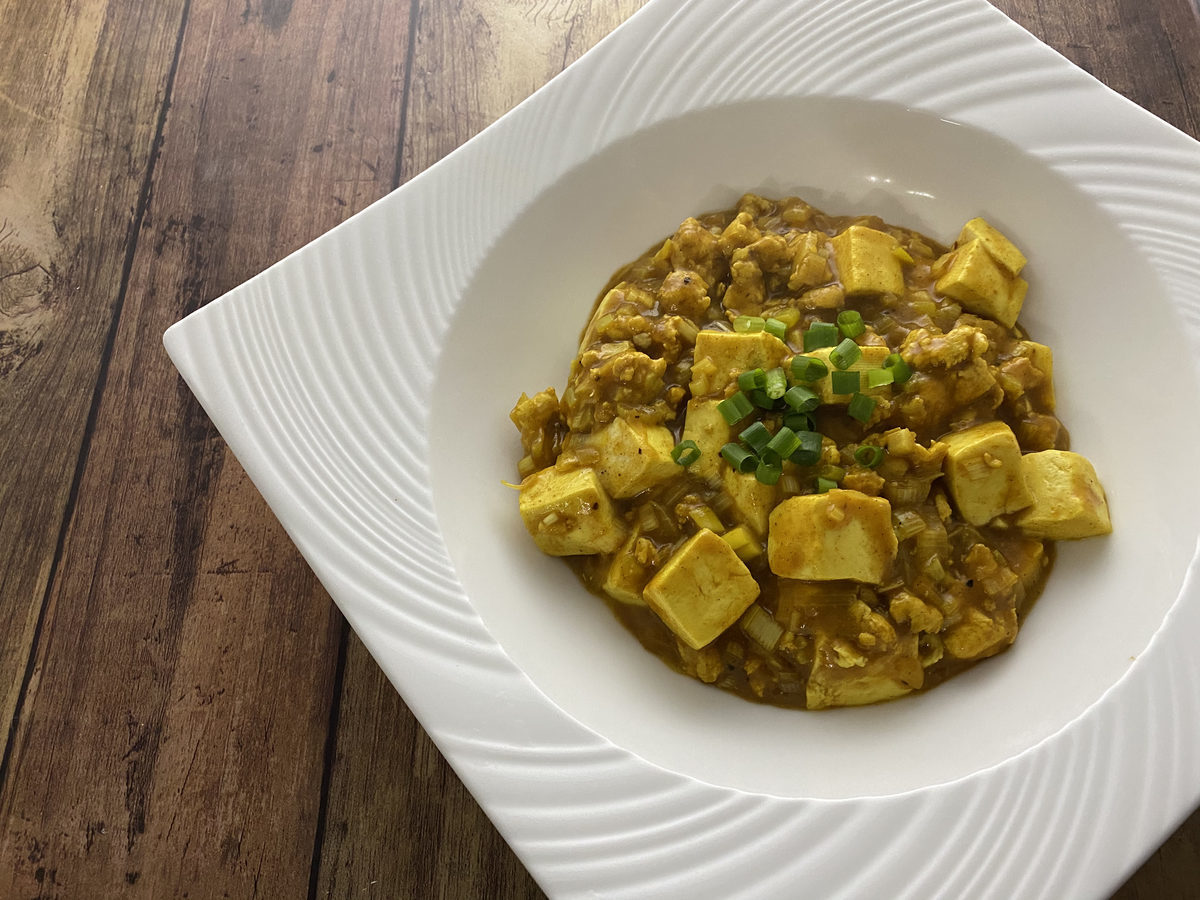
(777, 328)
(741, 459)
(809, 451)
(756, 436)
(685, 453)
(749, 324)
(820, 334)
(734, 409)
(845, 382)
(768, 474)
(901, 371)
(832, 472)
(770, 457)
(861, 406)
(785, 442)
(868, 455)
(850, 321)
(801, 399)
(776, 383)
(800, 421)
(751, 379)
(824, 485)
(762, 399)
(879, 377)
(808, 369)
(845, 354)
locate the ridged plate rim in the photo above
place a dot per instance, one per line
(586, 816)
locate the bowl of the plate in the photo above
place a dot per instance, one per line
(1093, 298)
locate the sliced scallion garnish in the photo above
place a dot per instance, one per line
(845, 382)
(860, 408)
(685, 452)
(807, 369)
(850, 321)
(756, 436)
(785, 442)
(820, 334)
(845, 354)
(767, 473)
(901, 371)
(751, 379)
(801, 399)
(741, 459)
(735, 408)
(808, 453)
(776, 383)
(879, 377)
(868, 455)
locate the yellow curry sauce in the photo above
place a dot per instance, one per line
(809, 459)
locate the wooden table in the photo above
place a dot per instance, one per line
(189, 714)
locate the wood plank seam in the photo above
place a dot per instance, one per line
(134, 233)
(414, 12)
(335, 707)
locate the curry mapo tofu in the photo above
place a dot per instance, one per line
(813, 460)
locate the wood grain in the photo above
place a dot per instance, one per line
(1149, 53)
(190, 716)
(400, 823)
(173, 735)
(78, 117)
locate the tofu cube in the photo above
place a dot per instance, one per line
(872, 358)
(841, 678)
(1001, 249)
(633, 457)
(809, 264)
(1042, 358)
(626, 577)
(704, 424)
(752, 500)
(569, 514)
(978, 635)
(984, 472)
(732, 353)
(1068, 501)
(978, 282)
(867, 262)
(702, 590)
(826, 537)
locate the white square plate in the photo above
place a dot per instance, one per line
(364, 382)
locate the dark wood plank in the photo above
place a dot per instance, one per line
(173, 736)
(81, 89)
(400, 823)
(1150, 52)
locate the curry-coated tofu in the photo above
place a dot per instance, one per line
(978, 635)
(843, 676)
(702, 590)
(626, 575)
(981, 285)
(1042, 357)
(734, 352)
(1068, 501)
(867, 261)
(704, 424)
(1001, 249)
(831, 536)
(984, 472)
(872, 358)
(569, 514)
(751, 499)
(633, 456)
